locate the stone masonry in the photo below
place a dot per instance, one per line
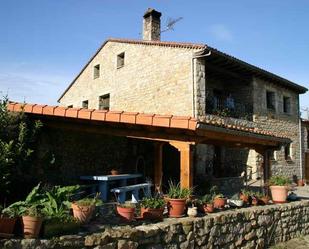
(247, 228)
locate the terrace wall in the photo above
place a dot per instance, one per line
(256, 227)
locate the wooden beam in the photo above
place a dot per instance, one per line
(186, 163)
(158, 161)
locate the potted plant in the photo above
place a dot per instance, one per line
(177, 198)
(8, 219)
(219, 200)
(32, 221)
(207, 202)
(279, 186)
(83, 209)
(245, 195)
(264, 199)
(61, 225)
(115, 171)
(152, 208)
(126, 211)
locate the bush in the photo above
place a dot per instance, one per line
(279, 181)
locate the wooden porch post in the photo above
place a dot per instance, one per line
(158, 165)
(186, 163)
(266, 170)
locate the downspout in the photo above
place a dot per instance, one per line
(197, 55)
(300, 142)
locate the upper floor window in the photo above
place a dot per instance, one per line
(287, 152)
(270, 100)
(286, 104)
(120, 60)
(96, 71)
(104, 102)
(85, 104)
(70, 106)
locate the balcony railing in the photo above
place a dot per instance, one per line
(228, 107)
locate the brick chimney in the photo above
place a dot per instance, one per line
(152, 25)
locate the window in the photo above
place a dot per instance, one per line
(70, 106)
(96, 71)
(120, 60)
(270, 100)
(85, 104)
(287, 152)
(104, 102)
(286, 104)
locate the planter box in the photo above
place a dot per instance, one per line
(57, 228)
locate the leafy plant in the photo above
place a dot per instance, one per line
(126, 205)
(176, 192)
(152, 202)
(207, 199)
(279, 181)
(90, 201)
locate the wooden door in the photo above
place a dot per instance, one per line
(307, 166)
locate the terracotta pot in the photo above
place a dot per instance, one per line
(279, 193)
(83, 213)
(219, 202)
(209, 208)
(114, 172)
(245, 198)
(126, 213)
(32, 226)
(264, 200)
(152, 213)
(176, 207)
(301, 183)
(255, 201)
(7, 225)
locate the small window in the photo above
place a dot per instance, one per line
(96, 71)
(286, 104)
(270, 100)
(120, 60)
(287, 152)
(104, 102)
(70, 106)
(85, 104)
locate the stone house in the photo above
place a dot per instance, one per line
(305, 148)
(196, 80)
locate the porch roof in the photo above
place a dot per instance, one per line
(152, 126)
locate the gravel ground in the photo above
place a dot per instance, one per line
(299, 243)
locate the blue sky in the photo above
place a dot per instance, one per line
(45, 43)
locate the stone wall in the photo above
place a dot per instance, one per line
(305, 142)
(154, 79)
(255, 227)
(280, 123)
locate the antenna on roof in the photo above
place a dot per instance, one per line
(171, 23)
(306, 110)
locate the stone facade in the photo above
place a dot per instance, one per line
(154, 79)
(248, 228)
(305, 146)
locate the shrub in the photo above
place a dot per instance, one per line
(279, 181)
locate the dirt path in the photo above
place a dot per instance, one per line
(299, 243)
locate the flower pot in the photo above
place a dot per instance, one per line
(245, 198)
(32, 226)
(301, 183)
(255, 201)
(264, 200)
(114, 172)
(152, 213)
(219, 203)
(209, 208)
(83, 213)
(126, 213)
(192, 212)
(176, 207)
(279, 193)
(7, 225)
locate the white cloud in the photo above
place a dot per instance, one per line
(221, 32)
(44, 89)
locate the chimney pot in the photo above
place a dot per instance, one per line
(152, 25)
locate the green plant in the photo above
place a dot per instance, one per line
(207, 199)
(152, 202)
(279, 181)
(126, 205)
(176, 192)
(245, 192)
(17, 136)
(33, 211)
(90, 201)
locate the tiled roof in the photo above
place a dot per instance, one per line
(168, 121)
(156, 120)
